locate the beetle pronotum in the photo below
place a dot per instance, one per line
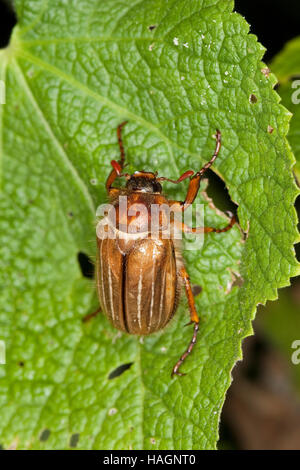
(139, 277)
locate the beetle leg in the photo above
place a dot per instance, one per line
(113, 174)
(194, 319)
(195, 180)
(186, 229)
(175, 370)
(89, 316)
(188, 290)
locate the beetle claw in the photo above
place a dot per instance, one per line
(174, 372)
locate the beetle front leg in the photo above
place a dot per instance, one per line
(194, 319)
(195, 180)
(113, 174)
(186, 229)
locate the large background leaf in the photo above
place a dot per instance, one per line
(176, 71)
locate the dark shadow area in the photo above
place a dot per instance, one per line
(261, 410)
(7, 21)
(86, 265)
(273, 21)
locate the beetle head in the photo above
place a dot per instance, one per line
(144, 181)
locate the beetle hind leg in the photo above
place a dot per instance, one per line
(194, 319)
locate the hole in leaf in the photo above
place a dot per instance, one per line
(74, 439)
(7, 21)
(86, 265)
(21, 363)
(119, 370)
(218, 192)
(44, 436)
(253, 98)
(152, 27)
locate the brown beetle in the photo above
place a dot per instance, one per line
(139, 277)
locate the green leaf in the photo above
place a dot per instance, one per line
(286, 65)
(73, 73)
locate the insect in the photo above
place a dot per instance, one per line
(140, 277)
